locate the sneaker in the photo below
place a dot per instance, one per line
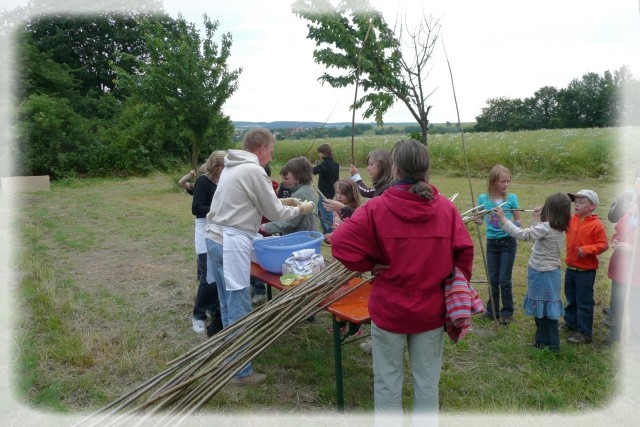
(199, 327)
(579, 338)
(366, 347)
(258, 299)
(254, 379)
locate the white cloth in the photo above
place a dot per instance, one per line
(236, 258)
(199, 238)
(304, 261)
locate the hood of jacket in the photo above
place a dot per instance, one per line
(238, 157)
(409, 207)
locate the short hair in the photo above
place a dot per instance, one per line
(349, 188)
(284, 170)
(557, 210)
(412, 162)
(325, 149)
(300, 168)
(256, 138)
(215, 160)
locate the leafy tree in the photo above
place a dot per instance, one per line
(544, 106)
(592, 101)
(50, 134)
(355, 38)
(186, 77)
(340, 33)
(88, 43)
(500, 114)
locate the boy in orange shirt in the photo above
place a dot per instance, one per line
(586, 239)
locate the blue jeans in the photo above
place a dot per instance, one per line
(327, 216)
(234, 305)
(501, 254)
(578, 289)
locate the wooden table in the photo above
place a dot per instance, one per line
(352, 308)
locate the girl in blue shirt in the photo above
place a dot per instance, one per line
(501, 247)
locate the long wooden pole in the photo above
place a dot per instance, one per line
(466, 162)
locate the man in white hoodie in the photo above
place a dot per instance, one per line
(244, 195)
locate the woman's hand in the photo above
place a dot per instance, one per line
(332, 205)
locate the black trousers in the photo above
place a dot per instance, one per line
(207, 299)
(547, 334)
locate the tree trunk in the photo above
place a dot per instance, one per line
(198, 138)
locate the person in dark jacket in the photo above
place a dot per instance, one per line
(207, 295)
(328, 172)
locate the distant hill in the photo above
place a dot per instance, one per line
(291, 124)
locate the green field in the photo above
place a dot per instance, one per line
(106, 272)
(547, 154)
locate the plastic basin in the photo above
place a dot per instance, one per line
(272, 252)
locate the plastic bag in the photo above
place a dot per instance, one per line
(305, 261)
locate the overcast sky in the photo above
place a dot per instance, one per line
(496, 48)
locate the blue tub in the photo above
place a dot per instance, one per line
(272, 252)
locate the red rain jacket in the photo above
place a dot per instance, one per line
(421, 241)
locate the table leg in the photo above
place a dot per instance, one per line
(269, 293)
(337, 354)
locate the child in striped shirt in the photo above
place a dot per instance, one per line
(544, 278)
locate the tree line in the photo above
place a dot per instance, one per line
(116, 92)
(591, 101)
(124, 92)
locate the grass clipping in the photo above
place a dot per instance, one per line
(196, 376)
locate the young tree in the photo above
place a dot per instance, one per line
(186, 77)
(355, 38)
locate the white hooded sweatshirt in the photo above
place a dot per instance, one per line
(243, 196)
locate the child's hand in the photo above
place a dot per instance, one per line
(536, 213)
(479, 219)
(499, 213)
(580, 253)
(354, 170)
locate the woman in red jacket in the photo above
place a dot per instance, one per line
(411, 238)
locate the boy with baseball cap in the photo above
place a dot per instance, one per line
(586, 239)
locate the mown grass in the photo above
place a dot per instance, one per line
(107, 280)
